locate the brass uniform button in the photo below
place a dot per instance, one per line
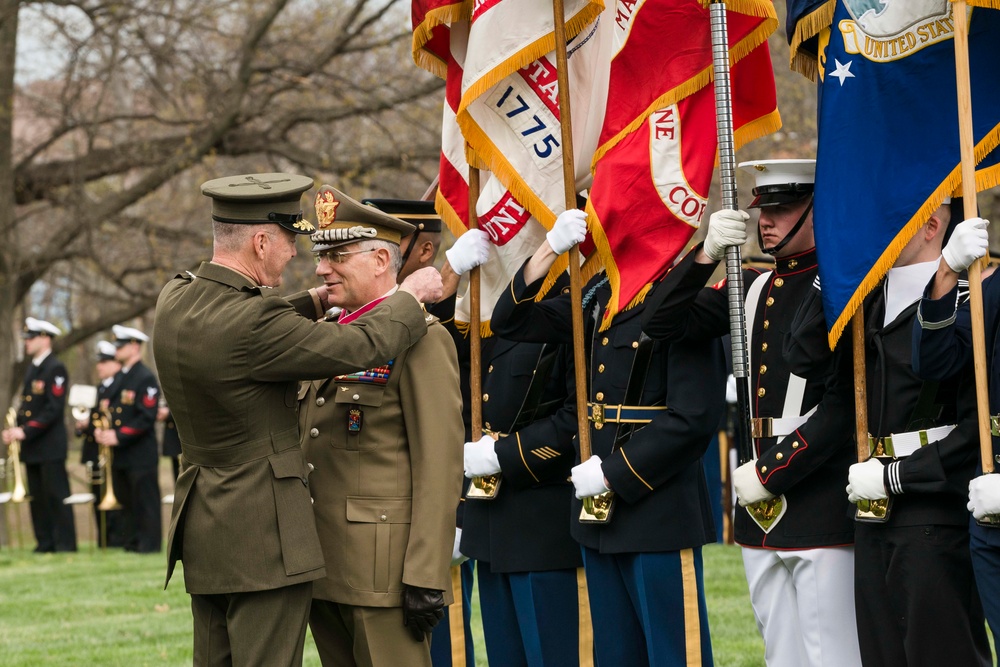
(320, 401)
(763, 347)
(778, 282)
(766, 325)
(314, 432)
(763, 469)
(311, 467)
(604, 341)
(27, 413)
(779, 456)
(763, 369)
(490, 369)
(356, 397)
(383, 518)
(761, 392)
(635, 344)
(27, 399)
(793, 263)
(600, 396)
(486, 398)
(118, 410)
(600, 369)
(770, 301)
(118, 422)
(795, 444)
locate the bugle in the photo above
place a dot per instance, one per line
(18, 493)
(108, 500)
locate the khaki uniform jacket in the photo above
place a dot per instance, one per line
(385, 494)
(229, 354)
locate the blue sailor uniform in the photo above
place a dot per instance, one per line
(42, 417)
(643, 567)
(133, 400)
(942, 349)
(901, 616)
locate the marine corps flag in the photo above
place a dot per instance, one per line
(888, 134)
(656, 154)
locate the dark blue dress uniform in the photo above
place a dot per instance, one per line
(942, 349)
(801, 571)
(808, 466)
(42, 417)
(643, 567)
(527, 560)
(901, 615)
(132, 402)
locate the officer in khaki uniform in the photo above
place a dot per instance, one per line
(230, 351)
(388, 470)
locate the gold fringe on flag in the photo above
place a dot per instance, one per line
(985, 179)
(808, 27)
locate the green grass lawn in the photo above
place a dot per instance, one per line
(109, 608)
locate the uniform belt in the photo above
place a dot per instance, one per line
(900, 445)
(217, 457)
(775, 427)
(601, 414)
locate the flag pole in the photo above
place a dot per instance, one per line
(598, 508)
(475, 341)
(734, 260)
(869, 511)
(569, 183)
(966, 143)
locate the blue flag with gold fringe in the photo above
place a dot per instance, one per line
(888, 149)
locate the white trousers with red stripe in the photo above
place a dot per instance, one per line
(803, 601)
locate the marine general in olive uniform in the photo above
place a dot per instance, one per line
(230, 351)
(387, 470)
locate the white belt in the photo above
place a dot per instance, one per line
(776, 427)
(900, 445)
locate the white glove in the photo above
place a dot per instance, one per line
(865, 481)
(470, 250)
(569, 230)
(968, 242)
(588, 478)
(481, 457)
(731, 389)
(984, 496)
(457, 557)
(749, 488)
(725, 228)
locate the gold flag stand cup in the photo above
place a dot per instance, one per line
(597, 509)
(483, 488)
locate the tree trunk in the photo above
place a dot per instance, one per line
(8, 49)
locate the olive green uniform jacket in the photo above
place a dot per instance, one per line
(230, 355)
(388, 474)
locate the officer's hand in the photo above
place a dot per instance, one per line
(749, 488)
(984, 496)
(12, 434)
(470, 250)
(588, 478)
(968, 242)
(457, 557)
(423, 608)
(424, 284)
(481, 457)
(569, 230)
(865, 481)
(106, 436)
(725, 228)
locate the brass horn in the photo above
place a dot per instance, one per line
(82, 399)
(108, 500)
(18, 494)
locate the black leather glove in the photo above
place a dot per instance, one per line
(423, 608)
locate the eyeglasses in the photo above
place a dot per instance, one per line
(337, 256)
